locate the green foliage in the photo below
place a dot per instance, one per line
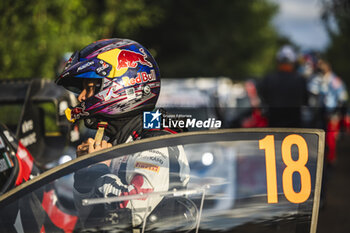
(35, 35)
(338, 51)
(214, 38)
(50, 117)
(10, 115)
(189, 38)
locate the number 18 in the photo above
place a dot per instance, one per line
(268, 144)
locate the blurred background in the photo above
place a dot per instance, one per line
(229, 38)
(237, 39)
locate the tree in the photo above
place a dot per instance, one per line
(214, 38)
(188, 38)
(35, 35)
(338, 12)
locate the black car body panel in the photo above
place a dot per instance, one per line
(232, 193)
(33, 109)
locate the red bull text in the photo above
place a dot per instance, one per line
(142, 77)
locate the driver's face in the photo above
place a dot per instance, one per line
(89, 86)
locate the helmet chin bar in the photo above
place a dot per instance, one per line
(76, 113)
(68, 114)
(90, 122)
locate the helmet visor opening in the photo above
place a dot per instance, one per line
(76, 85)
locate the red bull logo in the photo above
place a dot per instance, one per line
(131, 59)
(142, 77)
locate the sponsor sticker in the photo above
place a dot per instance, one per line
(8, 136)
(27, 126)
(29, 139)
(3, 165)
(103, 69)
(130, 93)
(155, 159)
(88, 64)
(2, 144)
(5, 162)
(147, 166)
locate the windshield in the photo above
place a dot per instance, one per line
(216, 183)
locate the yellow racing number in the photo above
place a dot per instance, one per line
(268, 144)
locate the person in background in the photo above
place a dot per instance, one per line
(284, 91)
(327, 103)
(331, 97)
(307, 68)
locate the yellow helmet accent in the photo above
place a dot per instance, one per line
(110, 57)
(69, 115)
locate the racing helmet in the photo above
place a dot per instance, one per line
(128, 79)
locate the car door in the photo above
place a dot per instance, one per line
(241, 180)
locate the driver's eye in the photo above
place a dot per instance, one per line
(88, 84)
(91, 85)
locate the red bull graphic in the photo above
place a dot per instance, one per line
(131, 59)
(142, 77)
(75, 113)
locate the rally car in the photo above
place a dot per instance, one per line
(235, 103)
(17, 167)
(16, 162)
(269, 181)
(33, 109)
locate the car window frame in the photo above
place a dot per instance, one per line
(169, 140)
